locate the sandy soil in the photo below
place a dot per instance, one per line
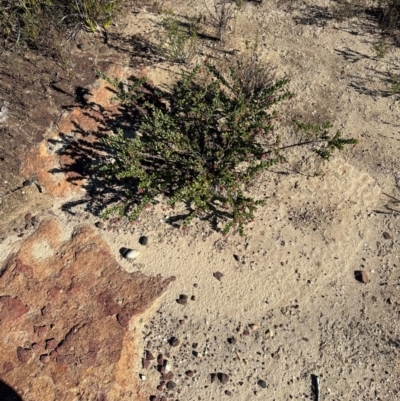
(294, 273)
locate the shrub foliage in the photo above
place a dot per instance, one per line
(203, 143)
(45, 24)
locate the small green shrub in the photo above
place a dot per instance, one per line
(203, 143)
(179, 43)
(381, 48)
(45, 24)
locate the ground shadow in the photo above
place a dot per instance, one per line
(313, 15)
(392, 207)
(7, 393)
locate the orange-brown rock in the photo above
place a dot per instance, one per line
(67, 317)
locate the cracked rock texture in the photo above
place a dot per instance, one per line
(66, 313)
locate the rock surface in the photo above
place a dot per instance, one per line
(66, 312)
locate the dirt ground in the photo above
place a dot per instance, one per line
(290, 292)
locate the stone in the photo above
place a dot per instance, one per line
(171, 385)
(223, 378)
(99, 224)
(232, 340)
(143, 240)
(182, 300)
(130, 253)
(218, 275)
(386, 235)
(254, 327)
(174, 342)
(213, 377)
(189, 373)
(168, 376)
(362, 276)
(262, 383)
(145, 363)
(149, 356)
(228, 393)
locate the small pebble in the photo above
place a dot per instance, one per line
(28, 217)
(227, 392)
(149, 356)
(182, 299)
(131, 254)
(190, 373)
(232, 340)
(246, 332)
(143, 240)
(142, 377)
(365, 277)
(223, 378)
(145, 363)
(218, 275)
(254, 327)
(213, 377)
(171, 385)
(160, 359)
(167, 366)
(99, 224)
(168, 376)
(193, 298)
(386, 235)
(262, 383)
(174, 342)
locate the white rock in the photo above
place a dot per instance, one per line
(131, 254)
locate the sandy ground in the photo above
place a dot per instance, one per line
(293, 274)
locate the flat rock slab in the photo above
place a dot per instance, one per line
(66, 310)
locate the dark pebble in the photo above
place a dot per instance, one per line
(143, 240)
(160, 359)
(182, 299)
(246, 332)
(181, 321)
(223, 378)
(218, 275)
(213, 377)
(236, 258)
(227, 392)
(145, 363)
(232, 340)
(193, 298)
(190, 373)
(195, 285)
(174, 342)
(262, 383)
(161, 386)
(28, 217)
(195, 345)
(386, 235)
(99, 224)
(168, 376)
(149, 356)
(27, 183)
(171, 385)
